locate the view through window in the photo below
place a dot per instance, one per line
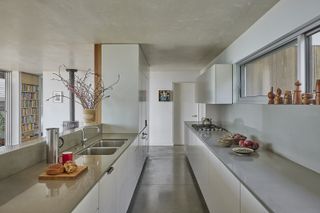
(315, 57)
(277, 68)
(2, 109)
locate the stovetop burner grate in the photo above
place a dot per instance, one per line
(207, 128)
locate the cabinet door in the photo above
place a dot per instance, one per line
(107, 192)
(223, 83)
(193, 152)
(224, 191)
(198, 155)
(249, 204)
(132, 168)
(121, 167)
(90, 203)
(187, 140)
(203, 164)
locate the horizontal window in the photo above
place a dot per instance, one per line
(277, 68)
(3, 109)
(314, 41)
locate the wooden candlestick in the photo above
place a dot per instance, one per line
(317, 102)
(306, 98)
(278, 99)
(297, 93)
(287, 97)
(318, 85)
(271, 96)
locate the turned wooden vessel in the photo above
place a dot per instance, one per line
(297, 99)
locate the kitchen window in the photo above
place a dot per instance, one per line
(5, 108)
(295, 56)
(313, 42)
(277, 68)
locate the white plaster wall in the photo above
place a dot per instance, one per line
(161, 113)
(55, 113)
(121, 110)
(289, 130)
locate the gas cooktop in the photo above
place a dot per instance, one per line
(207, 128)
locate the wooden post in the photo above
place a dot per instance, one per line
(97, 70)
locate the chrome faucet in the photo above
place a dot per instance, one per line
(84, 139)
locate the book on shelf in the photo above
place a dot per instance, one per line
(29, 88)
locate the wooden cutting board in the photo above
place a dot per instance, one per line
(64, 176)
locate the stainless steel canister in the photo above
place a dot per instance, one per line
(52, 145)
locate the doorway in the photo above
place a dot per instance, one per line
(184, 109)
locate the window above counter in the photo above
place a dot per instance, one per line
(295, 56)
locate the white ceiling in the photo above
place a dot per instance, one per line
(39, 35)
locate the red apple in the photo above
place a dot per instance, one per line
(237, 137)
(248, 143)
(255, 146)
(241, 143)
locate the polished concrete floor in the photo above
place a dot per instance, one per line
(167, 184)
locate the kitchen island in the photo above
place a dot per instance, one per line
(23, 192)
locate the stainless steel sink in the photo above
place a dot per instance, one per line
(109, 143)
(98, 151)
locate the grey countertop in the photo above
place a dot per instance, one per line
(23, 192)
(281, 185)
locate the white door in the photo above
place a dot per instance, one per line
(184, 109)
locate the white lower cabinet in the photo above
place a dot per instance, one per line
(224, 188)
(122, 186)
(113, 193)
(117, 187)
(107, 192)
(201, 156)
(90, 203)
(249, 204)
(221, 190)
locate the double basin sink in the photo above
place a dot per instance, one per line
(103, 147)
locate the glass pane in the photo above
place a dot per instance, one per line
(277, 69)
(315, 57)
(2, 109)
(2, 128)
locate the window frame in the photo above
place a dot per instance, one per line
(243, 71)
(304, 73)
(8, 107)
(310, 71)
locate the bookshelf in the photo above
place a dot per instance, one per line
(30, 110)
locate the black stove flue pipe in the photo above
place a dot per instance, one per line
(71, 94)
(71, 124)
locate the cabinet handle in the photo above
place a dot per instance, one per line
(194, 116)
(110, 170)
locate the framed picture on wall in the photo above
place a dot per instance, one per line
(57, 97)
(165, 95)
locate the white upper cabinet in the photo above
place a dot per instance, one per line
(215, 85)
(126, 109)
